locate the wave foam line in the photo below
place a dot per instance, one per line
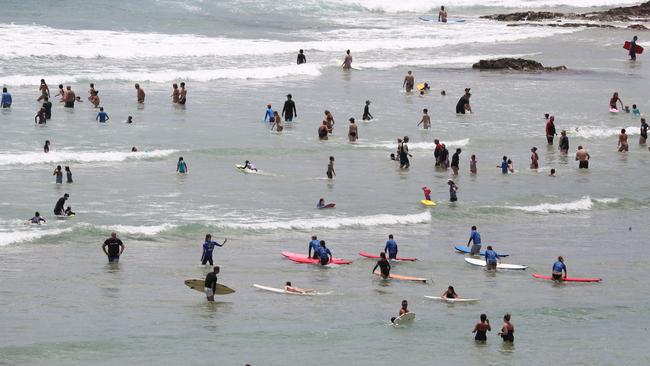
(18, 236)
(583, 204)
(335, 222)
(78, 157)
(416, 145)
(590, 132)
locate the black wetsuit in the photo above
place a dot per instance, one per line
(48, 109)
(460, 106)
(455, 160)
(211, 281)
(289, 110)
(301, 59)
(644, 130)
(366, 113)
(564, 143)
(384, 267)
(632, 52)
(58, 208)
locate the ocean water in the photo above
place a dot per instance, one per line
(62, 304)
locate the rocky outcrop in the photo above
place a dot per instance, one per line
(620, 14)
(529, 16)
(562, 25)
(516, 64)
(637, 27)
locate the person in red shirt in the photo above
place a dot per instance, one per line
(427, 193)
(550, 130)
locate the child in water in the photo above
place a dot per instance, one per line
(68, 211)
(181, 166)
(427, 193)
(635, 111)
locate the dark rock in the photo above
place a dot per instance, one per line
(620, 14)
(530, 16)
(637, 27)
(517, 64)
(562, 25)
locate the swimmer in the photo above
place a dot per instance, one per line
(289, 288)
(534, 158)
(450, 293)
(472, 164)
(321, 203)
(391, 247)
(181, 166)
(353, 133)
(140, 93)
(613, 102)
(44, 89)
(426, 119)
(384, 266)
(558, 268)
(366, 112)
(37, 219)
(330, 168)
(481, 328)
(442, 15)
(323, 131)
(552, 173)
(134, 149)
(129, 119)
(277, 122)
(582, 156)
(347, 62)
(563, 144)
(455, 161)
(409, 81)
(507, 330)
(622, 141)
(301, 59)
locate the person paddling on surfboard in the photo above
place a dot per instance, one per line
(314, 245)
(208, 248)
(391, 247)
(248, 165)
(37, 219)
(558, 268)
(442, 15)
(450, 293)
(289, 288)
(403, 310)
(211, 283)
(324, 254)
(384, 266)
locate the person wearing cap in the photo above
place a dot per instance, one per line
(58, 208)
(463, 103)
(534, 158)
(289, 109)
(366, 112)
(268, 117)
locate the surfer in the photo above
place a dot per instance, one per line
(321, 203)
(409, 81)
(403, 310)
(442, 15)
(181, 166)
(475, 238)
(384, 266)
(301, 58)
(347, 62)
(491, 259)
(455, 161)
(558, 268)
(208, 248)
(613, 102)
(534, 158)
(248, 165)
(632, 52)
(47, 105)
(46, 147)
(289, 109)
(353, 133)
(481, 328)
(622, 141)
(314, 245)
(115, 248)
(182, 98)
(508, 330)
(330, 168)
(324, 254)
(450, 293)
(426, 119)
(582, 155)
(391, 247)
(139, 93)
(427, 193)
(37, 219)
(298, 290)
(6, 99)
(404, 154)
(550, 130)
(453, 188)
(644, 132)
(102, 116)
(463, 103)
(268, 114)
(504, 165)
(175, 93)
(366, 112)
(69, 97)
(563, 144)
(472, 164)
(211, 283)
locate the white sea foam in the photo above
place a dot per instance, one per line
(591, 132)
(583, 204)
(8, 158)
(138, 230)
(28, 234)
(333, 222)
(415, 145)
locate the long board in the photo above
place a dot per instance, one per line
(246, 170)
(403, 319)
(428, 203)
(568, 279)
(283, 291)
(372, 256)
(402, 278)
(482, 263)
(451, 301)
(434, 19)
(300, 258)
(467, 250)
(199, 285)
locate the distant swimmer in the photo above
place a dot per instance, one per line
(113, 248)
(383, 265)
(472, 164)
(314, 245)
(59, 174)
(208, 248)
(129, 120)
(277, 122)
(463, 103)
(504, 165)
(582, 156)
(102, 116)
(45, 91)
(450, 293)
(635, 111)
(455, 161)
(507, 330)
(552, 172)
(134, 149)
(37, 219)
(323, 131)
(632, 51)
(563, 144)
(6, 100)
(426, 119)
(534, 158)
(613, 102)
(391, 247)
(481, 328)
(301, 59)
(182, 98)
(290, 288)
(403, 310)
(175, 93)
(321, 203)
(140, 93)
(644, 132)
(181, 166)
(550, 130)
(46, 147)
(622, 141)
(491, 259)
(475, 238)
(248, 165)
(427, 193)
(47, 105)
(211, 283)
(330, 168)
(324, 254)
(442, 15)
(69, 97)
(40, 117)
(268, 114)
(366, 112)
(453, 188)
(68, 174)
(409, 81)
(289, 109)
(347, 62)
(353, 132)
(404, 154)
(558, 268)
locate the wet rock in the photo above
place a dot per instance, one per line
(516, 64)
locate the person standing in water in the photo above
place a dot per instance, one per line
(563, 144)
(277, 122)
(644, 132)
(323, 131)
(481, 328)
(558, 268)
(289, 109)
(269, 115)
(40, 117)
(622, 141)
(472, 164)
(582, 156)
(330, 168)
(613, 102)
(175, 93)
(140, 93)
(366, 112)
(181, 166)
(474, 237)
(329, 121)
(507, 330)
(403, 310)
(182, 97)
(442, 15)
(46, 147)
(504, 165)
(384, 266)
(534, 158)
(115, 248)
(68, 175)
(301, 58)
(47, 106)
(550, 130)
(6, 100)
(208, 248)
(463, 103)
(353, 133)
(404, 154)
(409, 81)
(102, 116)
(58, 208)
(391, 247)
(210, 284)
(443, 157)
(491, 259)
(59, 174)
(632, 51)
(69, 97)
(453, 188)
(347, 62)
(45, 91)
(455, 161)
(426, 119)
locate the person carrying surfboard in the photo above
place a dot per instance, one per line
(211, 283)
(391, 247)
(558, 268)
(208, 248)
(474, 237)
(632, 51)
(384, 266)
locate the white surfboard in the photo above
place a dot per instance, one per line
(246, 170)
(480, 262)
(404, 319)
(283, 291)
(452, 301)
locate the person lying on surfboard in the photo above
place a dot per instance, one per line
(384, 266)
(450, 293)
(321, 203)
(37, 219)
(248, 165)
(289, 288)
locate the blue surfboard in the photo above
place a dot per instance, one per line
(429, 18)
(465, 249)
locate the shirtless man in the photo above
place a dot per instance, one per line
(182, 98)
(353, 134)
(140, 93)
(534, 158)
(329, 121)
(442, 15)
(91, 92)
(426, 119)
(409, 82)
(330, 168)
(583, 157)
(347, 63)
(622, 141)
(45, 91)
(323, 131)
(175, 93)
(69, 97)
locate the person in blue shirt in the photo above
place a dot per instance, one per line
(491, 259)
(6, 98)
(635, 111)
(321, 203)
(324, 254)
(391, 247)
(208, 247)
(474, 237)
(558, 268)
(102, 116)
(504, 165)
(270, 116)
(181, 167)
(314, 245)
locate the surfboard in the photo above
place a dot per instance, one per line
(434, 19)
(329, 205)
(613, 110)
(404, 319)
(568, 279)
(420, 86)
(300, 258)
(628, 44)
(428, 203)
(283, 291)
(245, 170)
(452, 301)
(64, 217)
(467, 250)
(368, 255)
(402, 278)
(480, 262)
(199, 285)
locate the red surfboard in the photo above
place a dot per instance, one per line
(368, 255)
(568, 279)
(301, 258)
(627, 45)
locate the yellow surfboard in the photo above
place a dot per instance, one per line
(420, 86)
(199, 285)
(428, 203)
